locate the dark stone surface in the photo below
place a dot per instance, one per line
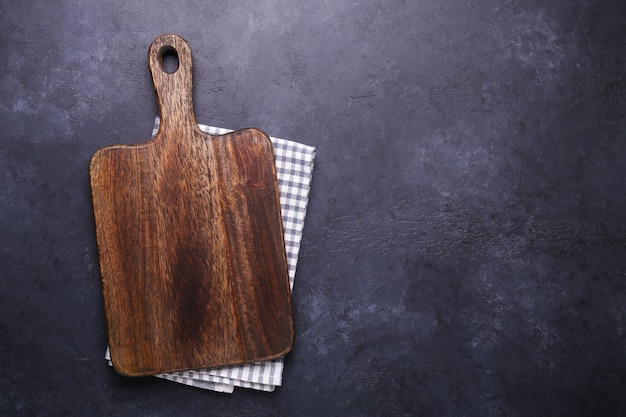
(464, 252)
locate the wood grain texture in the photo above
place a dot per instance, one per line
(193, 264)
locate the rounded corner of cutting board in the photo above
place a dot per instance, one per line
(252, 132)
(94, 161)
(289, 347)
(264, 136)
(99, 161)
(123, 369)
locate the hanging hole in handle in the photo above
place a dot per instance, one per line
(169, 59)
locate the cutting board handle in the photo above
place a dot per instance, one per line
(173, 89)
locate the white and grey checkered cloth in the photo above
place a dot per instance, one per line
(294, 168)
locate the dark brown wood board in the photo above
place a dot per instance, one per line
(190, 239)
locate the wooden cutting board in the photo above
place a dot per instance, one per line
(190, 238)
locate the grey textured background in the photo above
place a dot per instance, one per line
(464, 252)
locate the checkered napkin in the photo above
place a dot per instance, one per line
(294, 168)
